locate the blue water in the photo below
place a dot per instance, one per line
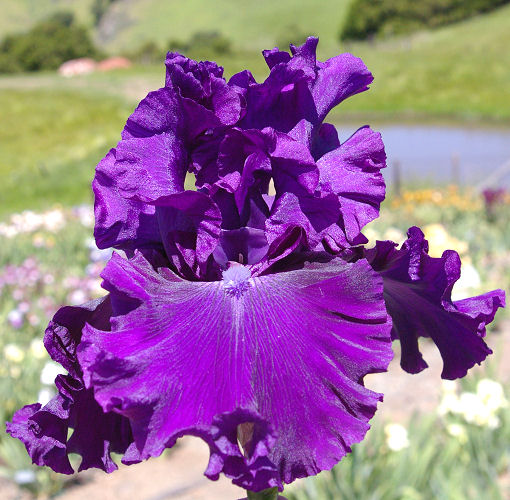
(441, 154)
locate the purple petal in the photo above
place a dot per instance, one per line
(417, 291)
(352, 172)
(160, 111)
(300, 91)
(290, 348)
(45, 430)
(64, 331)
(190, 224)
(150, 167)
(315, 214)
(337, 79)
(44, 433)
(275, 56)
(208, 100)
(249, 243)
(294, 169)
(120, 222)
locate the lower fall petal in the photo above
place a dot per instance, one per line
(417, 290)
(287, 354)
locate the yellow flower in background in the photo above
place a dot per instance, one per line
(440, 240)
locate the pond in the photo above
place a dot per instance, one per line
(439, 154)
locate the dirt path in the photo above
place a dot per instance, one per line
(179, 474)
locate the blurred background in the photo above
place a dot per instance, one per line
(71, 72)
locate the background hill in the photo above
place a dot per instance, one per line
(249, 24)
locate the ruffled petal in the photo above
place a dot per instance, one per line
(316, 215)
(417, 291)
(300, 91)
(353, 172)
(64, 331)
(120, 222)
(150, 167)
(44, 433)
(95, 434)
(160, 111)
(291, 348)
(207, 98)
(189, 223)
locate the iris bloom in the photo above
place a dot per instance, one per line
(244, 318)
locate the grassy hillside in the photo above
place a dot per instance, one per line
(51, 142)
(19, 15)
(249, 24)
(462, 70)
(53, 130)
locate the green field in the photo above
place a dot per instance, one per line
(54, 130)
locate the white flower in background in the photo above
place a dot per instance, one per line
(44, 396)
(471, 407)
(77, 297)
(85, 215)
(37, 349)
(7, 230)
(458, 431)
(24, 476)
(449, 387)
(395, 235)
(476, 412)
(49, 372)
(468, 283)
(450, 403)
(396, 437)
(491, 393)
(372, 235)
(54, 220)
(13, 353)
(439, 240)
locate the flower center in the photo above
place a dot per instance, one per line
(236, 279)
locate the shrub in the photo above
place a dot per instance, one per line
(212, 41)
(46, 46)
(368, 18)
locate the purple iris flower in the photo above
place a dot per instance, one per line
(245, 318)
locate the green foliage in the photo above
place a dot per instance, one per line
(213, 41)
(292, 34)
(46, 46)
(51, 141)
(148, 53)
(439, 462)
(368, 18)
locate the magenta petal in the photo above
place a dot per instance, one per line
(417, 290)
(292, 348)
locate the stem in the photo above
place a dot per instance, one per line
(271, 494)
